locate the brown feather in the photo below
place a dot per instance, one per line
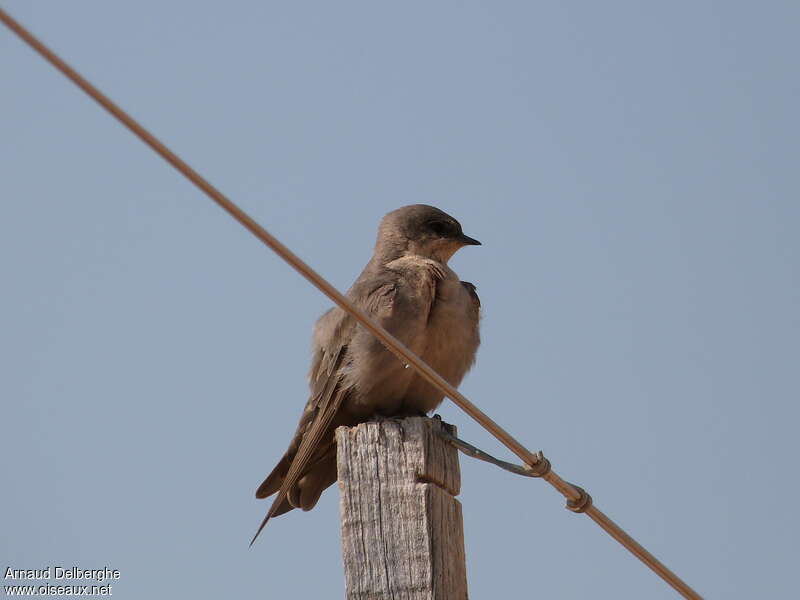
(273, 481)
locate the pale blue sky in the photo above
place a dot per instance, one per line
(630, 167)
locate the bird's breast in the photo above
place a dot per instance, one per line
(451, 341)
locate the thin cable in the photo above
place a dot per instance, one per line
(392, 343)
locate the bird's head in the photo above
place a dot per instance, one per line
(422, 230)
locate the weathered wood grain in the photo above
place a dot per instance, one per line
(402, 529)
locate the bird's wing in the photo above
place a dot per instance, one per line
(325, 407)
(324, 376)
(470, 287)
(390, 305)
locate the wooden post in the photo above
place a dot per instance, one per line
(402, 529)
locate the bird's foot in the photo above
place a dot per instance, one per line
(378, 417)
(399, 416)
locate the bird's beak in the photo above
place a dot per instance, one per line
(468, 241)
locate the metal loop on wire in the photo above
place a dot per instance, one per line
(582, 504)
(541, 468)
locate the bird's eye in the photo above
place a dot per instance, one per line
(440, 228)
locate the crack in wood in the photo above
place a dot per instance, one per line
(440, 484)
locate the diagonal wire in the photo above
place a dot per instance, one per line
(577, 499)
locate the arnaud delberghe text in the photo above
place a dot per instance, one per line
(59, 573)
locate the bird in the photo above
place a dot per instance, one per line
(409, 289)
